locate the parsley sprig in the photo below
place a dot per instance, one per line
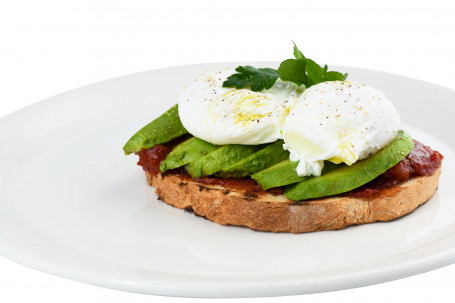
(301, 71)
(256, 78)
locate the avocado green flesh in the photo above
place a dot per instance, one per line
(161, 130)
(258, 161)
(188, 151)
(220, 158)
(284, 173)
(347, 178)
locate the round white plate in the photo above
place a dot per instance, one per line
(73, 205)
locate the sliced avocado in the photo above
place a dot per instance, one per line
(347, 178)
(284, 173)
(188, 151)
(220, 158)
(161, 130)
(258, 161)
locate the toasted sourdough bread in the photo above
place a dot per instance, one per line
(275, 213)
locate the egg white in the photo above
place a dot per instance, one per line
(222, 115)
(339, 121)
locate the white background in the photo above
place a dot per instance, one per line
(49, 46)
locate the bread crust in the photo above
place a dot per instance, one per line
(276, 213)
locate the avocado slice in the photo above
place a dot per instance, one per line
(347, 178)
(161, 130)
(284, 173)
(258, 161)
(188, 151)
(220, 158)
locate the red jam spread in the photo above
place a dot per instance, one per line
(422, 161)
(150, 159)
(246, 184)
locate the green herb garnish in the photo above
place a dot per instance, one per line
(256, 78)
(301, 71)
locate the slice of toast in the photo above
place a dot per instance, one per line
(266, 211)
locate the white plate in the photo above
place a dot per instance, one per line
(73, 205)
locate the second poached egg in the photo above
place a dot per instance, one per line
(338, 121)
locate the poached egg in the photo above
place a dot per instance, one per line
(338, 121)
(223, 115)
